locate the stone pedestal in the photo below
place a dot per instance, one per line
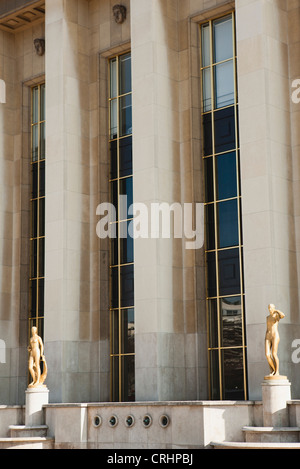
(276, 391)
(35, 399)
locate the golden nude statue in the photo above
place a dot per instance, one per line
(272, 340)
(36, 355)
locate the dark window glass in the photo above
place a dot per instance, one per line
(113, 118)
(33, 262)
(128, 381)
(233, 374)
(42, 217)
(34, 185)
(114, 287)
(43, 100)
(115, 362)
(34, 217)
(35, 143)
(229, 272)
(209, 188)
(207, 135)
(33, 295)
(228, 227)
(41, 297)
(42, 141)
(211, 274)
(114, 246)
(210, 227)
(214, 374)
(226, 176)
(113, 159)
(213, 323)
(231, 324)
(114, 196)
(126, 244)
(126, 189)
(41, 257)
(127, 326)
(114, 324)
(125, 156)
(126, 280)
(224, 130)
(42, 178)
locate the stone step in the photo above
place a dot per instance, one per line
(21, 431)
(272, 434)
(27, 443)
(243, 445)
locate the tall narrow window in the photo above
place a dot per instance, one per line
(121, 249)
(223, 249)
(37, 210)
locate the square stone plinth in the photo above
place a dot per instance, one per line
(36, 398)
(275, 394)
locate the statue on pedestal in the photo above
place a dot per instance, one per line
(272, 341)
(36, 355)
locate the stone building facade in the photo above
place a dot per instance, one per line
(144, 102)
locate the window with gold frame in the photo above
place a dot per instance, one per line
(37, 210)
(223, 217)
(122, 351)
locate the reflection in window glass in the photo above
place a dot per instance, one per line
(125, 115)
(223, 232)
(121, 247)
(113, 118)
(125, 73)
(207, 134)
(128, 378)
(213, 323)
(223, 41)
(229, 272)
(37, 209)
(125, 156)
(233, 374)
(113, 78)
(214, 374)
(224, 82)
(224, 128)
(126, 244)
(211, 274)
(205, 45)
(231, 312)
(127, 324)
(206, 89)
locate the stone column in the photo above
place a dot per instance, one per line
(70, 338)
(270, 261)
(10, 219)
(165, 341)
